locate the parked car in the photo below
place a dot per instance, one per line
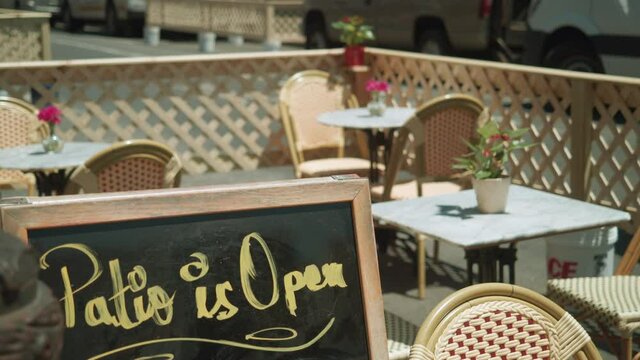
(585, 35)
(436, 26)
(119, 16)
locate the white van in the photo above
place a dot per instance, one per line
(585, 35)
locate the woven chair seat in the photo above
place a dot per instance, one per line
(400, 334)
(334, 166)
(409, 190)
(612, 300)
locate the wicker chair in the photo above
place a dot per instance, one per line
(437, 128)
(127, 166)
(19, 126)
(500, 321)
(303, 97)
(612, 301)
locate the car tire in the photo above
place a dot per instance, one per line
(316, 36)
(569, 56)
(433, 42)
(70, 24)
(111, 23)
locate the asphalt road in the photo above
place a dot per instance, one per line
(92, 43)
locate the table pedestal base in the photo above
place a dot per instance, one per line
(491, 262)
(49, 182)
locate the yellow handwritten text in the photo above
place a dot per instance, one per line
(159, 307)
(311, 279)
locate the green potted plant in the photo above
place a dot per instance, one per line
(486, 163)
(354, 33)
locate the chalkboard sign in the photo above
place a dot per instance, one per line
(283, 270)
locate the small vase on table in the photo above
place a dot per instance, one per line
(52, 116)
(377, 104)
(378, 92)
(52, 143)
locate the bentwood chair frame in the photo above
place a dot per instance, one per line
(86, 177)
(484, 317)
(435, 143)
(300, 141)
(595, 300)
(35, 131)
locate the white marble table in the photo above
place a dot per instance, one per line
(50, 169)
(374, 126)
(530, 214)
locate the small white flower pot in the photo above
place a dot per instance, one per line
(491, 194)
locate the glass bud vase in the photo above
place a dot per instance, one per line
(52, 143)
(377, 104)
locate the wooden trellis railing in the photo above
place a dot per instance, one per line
(219, 112)
(586, 126)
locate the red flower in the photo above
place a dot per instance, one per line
(505, 137)
(346, 19)
(373, 85)
(486, 153)
(50, 114)
(495, 137)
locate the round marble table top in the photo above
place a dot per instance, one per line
(32, 157)
(361, 119)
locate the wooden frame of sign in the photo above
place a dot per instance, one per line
(147, 275)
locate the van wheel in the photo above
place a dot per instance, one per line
(574, 57)
(316, 36)
(433, 42)
(69, 23)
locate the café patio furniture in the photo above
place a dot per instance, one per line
(437, 129)
(501, 321)
(303, 97)
(374, 126)
(127, 166)
(19, 126)
(454, 218)
(51, 169)
(612, 301)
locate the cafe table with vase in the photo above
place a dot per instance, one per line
(377, 120)
(50, 168)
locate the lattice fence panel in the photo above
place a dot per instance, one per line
(516, 99)
(615, 149)
(287, 24)
(22, 39)
(218, 113)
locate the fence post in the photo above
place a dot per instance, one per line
(45, 29)
(271, 42)
(581, 132)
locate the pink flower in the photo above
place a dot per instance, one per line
(50, 114)
(379, 86)
(486, 153)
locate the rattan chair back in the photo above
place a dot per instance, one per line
(436, 132)
(303, 97)
(127, 166)
(500, 321)
(19, 125)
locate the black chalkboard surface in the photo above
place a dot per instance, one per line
(269, 271)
